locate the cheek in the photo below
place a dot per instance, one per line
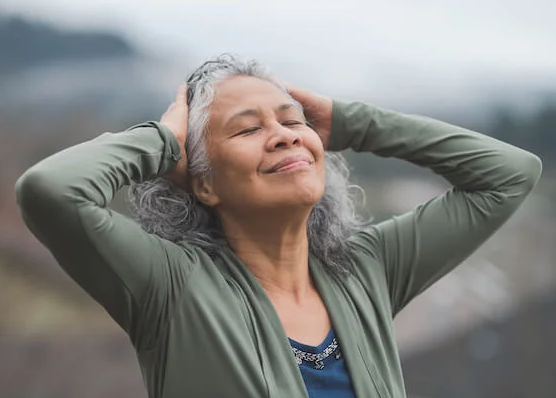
(321, 175)
(315, 146)
(313, 143)
(317, 150)
(233, 165)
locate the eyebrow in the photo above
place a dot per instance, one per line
(255, 112)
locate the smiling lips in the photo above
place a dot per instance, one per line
(291, 162)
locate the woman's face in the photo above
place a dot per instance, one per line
(261, 152)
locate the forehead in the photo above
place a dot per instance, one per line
(238, 93)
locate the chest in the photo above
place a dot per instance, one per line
(227, 339)
(307, 321)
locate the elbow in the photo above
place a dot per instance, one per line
(524, 171)
(39, 198)
(25, 188)
(531, 170)
(33, 188)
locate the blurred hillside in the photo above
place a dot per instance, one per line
(535, 132)
(58, 88)
(26, 44)
(58, 76)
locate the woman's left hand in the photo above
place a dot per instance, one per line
(317, 109)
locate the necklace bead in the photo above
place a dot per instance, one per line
(317, 359)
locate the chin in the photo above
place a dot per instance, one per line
(307, 194)
(301, 192)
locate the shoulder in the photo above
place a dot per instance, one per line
(365, 243)
(367, 265)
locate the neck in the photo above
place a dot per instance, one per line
(274, 248)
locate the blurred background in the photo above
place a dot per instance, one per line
(71, 70)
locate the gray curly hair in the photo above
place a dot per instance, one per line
(176, 215)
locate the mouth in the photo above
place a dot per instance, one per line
(290, 163)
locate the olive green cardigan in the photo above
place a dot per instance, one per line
(202, 325)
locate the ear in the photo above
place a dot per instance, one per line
(204, 191)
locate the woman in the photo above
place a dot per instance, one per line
(254, 277)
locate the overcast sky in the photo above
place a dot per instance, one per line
(393, 46)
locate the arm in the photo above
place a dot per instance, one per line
(63, 200)
(490, 180)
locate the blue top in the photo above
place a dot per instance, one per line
(333, 380)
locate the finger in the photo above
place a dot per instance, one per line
(304, 97)
(293, 91)
(181, 96)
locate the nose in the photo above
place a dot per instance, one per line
(283, 137)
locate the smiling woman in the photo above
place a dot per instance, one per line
(248, 273)
(175, 214)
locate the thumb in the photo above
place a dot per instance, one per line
(300, 95)
(181, 96)
(315, 104)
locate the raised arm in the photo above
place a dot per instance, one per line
(490, 180)
(63, 200)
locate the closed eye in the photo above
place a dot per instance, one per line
(291, 123)
(247, 131)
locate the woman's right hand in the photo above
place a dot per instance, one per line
(175, 118)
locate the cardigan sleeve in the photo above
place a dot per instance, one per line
(489, 179)
(64, 202)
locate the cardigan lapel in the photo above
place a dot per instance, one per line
(344, 322)
(278, 361)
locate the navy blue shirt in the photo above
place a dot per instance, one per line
(332, 381)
